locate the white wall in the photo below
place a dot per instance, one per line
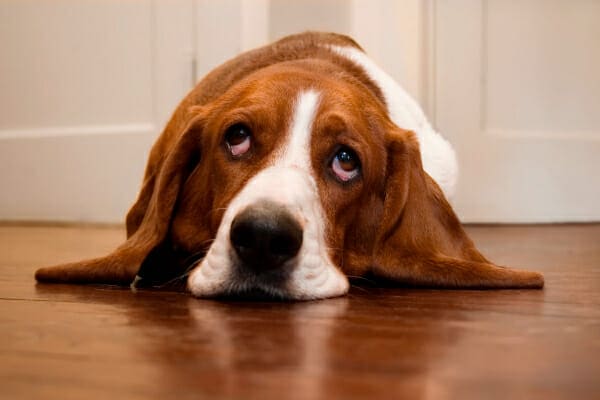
(87, 87)
(393, 32)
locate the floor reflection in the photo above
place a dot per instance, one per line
(375, 341)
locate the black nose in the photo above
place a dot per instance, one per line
(265, 236)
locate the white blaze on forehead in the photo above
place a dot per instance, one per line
(297, 151)
(289, 181)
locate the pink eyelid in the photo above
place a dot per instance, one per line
(341, 173)
(239, 149)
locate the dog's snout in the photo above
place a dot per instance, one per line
(265, 236)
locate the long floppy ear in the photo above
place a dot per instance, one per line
(178, 123)
(136, 213)
(421, 241)
(153, 219)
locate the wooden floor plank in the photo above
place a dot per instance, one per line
(62, 341)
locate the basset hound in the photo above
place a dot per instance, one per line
(287, 170)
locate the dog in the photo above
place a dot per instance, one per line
(287, 170)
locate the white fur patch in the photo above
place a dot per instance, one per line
(437, 155)
(289, 181)
(297, 152)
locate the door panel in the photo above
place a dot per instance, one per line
(86, 88)
(517, 91)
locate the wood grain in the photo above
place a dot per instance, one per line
(74, 342)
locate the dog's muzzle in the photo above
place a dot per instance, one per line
(271, 239)
(265, 236)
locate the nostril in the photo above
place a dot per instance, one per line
(286, 242)
(264, 236)
(242, 234)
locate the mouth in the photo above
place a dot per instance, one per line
(297, 283)
(254, 294)
(250, 282)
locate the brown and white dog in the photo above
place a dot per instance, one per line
(286, 170)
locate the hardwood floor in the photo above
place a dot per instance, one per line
(94, 342)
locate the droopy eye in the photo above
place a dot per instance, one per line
(238, 138)
(345, 164)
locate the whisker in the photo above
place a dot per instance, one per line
(362, 278)
(362, 289)
(180, 282)
(172, 283)
(334, 248)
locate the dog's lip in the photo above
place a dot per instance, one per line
(275, 278)
(247, 283)
(254, 294)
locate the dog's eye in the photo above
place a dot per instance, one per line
(238, 138)
(345, 164)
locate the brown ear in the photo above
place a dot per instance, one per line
(136, 213)
(149, 219)
(421, 241)
(180, 122)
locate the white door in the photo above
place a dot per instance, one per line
(86, 86)
(516, 88)
(391, 31)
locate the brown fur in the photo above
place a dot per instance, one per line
(394, 222)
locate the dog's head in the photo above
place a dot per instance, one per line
(292, 188)
(288, 182)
